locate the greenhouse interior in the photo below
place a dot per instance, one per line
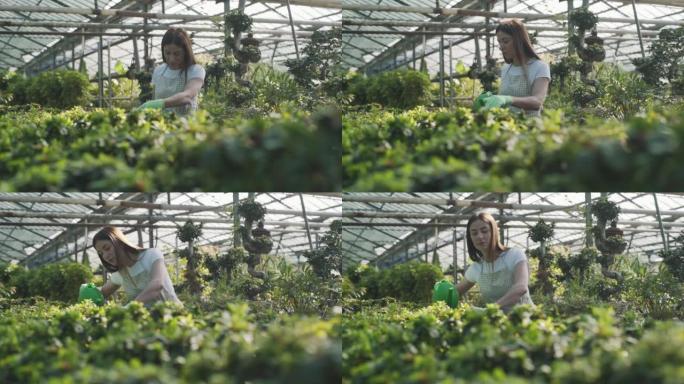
(439, 104)
(245, 84)
(602, 278)
(250, 274)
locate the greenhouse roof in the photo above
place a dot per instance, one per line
(378, 36)
(390, 228)
(39, 228)
(41, 34)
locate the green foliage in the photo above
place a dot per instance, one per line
(226, 263)
(251, 211)
(56, 89)
(318, 59)
(674, 261)
(437, 344)
(237, 21)
(583, 18)
(612, 93)
(411, 282)
(396, 89)
(665, 61)
(189, 232)
(148, 150)
(327, 257)
(58, 281)
(605, 210)
(165, 344)
(541, 231)
(446, 150)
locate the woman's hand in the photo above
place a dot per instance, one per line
(153, 104)
(497, 101)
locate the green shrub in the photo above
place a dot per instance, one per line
(397, 89)
(60, 281)
(412, 282)
(57, 89)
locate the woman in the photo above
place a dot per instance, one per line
(140, 271)
(501, 272)
(524, 78)
(178, 81)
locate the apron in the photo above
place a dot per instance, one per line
(168, 87)
(517, 86)
(494, 285)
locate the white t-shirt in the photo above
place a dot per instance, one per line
(168, 82)
(515, 83)
(496, 279)
(136, 278)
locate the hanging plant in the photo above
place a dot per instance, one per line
(605, 210)
(237, 21)
(583, 18)
(541, 231)
(227, 262)
(593, 52)
(585, 259)
(189, 231)
(251, 211)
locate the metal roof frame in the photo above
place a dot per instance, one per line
(616, 18)
(388, 228)
(40, 228)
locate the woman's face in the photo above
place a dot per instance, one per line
(106, 250)
(481, 235)
(174, 55)
(505, 45)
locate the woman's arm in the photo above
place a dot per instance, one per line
(181, 98)
(519, 287)
(464, 286)
(153, 289)
(108, 288)
(539, 89)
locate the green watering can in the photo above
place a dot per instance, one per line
(445, 291)
(90, 292)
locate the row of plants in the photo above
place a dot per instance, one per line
(462, 345)
(149, 150)
(56, 89)
(166, 343)
(408, 282)
(403, 89)
(58, 281)
(496, 150)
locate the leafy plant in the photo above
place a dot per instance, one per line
(56, 89)
(189, 232)
(237, 21)
(541, 231)
(147, 150)
(397, 89)
(251, 211)
(318, 59)
(411, 282)
(605, 210)
(327, 258)
(583, 18)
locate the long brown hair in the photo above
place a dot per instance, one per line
(122, 247)
(494, 241)
(521, 40)
(177, 36)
